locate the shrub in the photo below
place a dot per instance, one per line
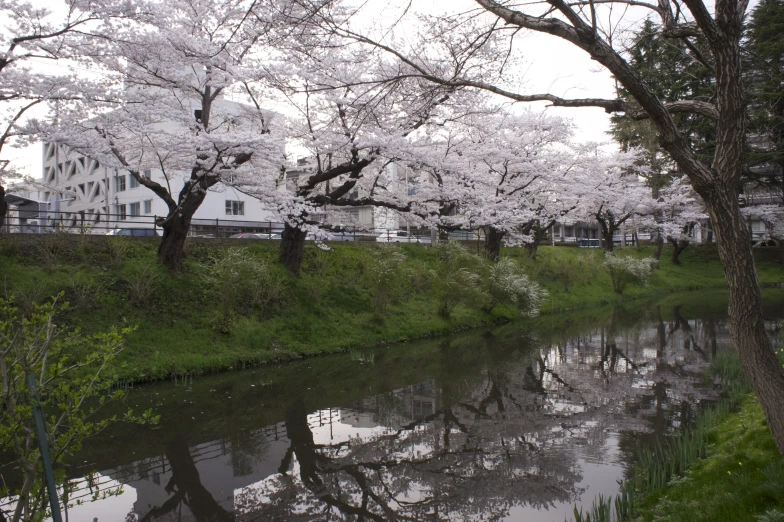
(509, 282)
(39, 369)
(625, 270)
(384, 275)
(458, 278)
(240, 281)
(26, 295)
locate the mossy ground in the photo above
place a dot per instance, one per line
(329, 308)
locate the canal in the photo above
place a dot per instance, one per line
(519, 422)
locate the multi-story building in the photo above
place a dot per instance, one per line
(81, 192)
(366, 217)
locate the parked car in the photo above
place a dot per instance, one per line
(400, 236)
(134, 232)
(255, 235)
(353, 236)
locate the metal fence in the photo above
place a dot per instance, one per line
(46, 222)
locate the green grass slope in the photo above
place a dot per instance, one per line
(331, 307)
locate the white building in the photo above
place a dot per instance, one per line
(365, 217)
(83, 193)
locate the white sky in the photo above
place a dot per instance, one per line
(550, 65)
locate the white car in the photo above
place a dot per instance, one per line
(400, 236)
(134, 232)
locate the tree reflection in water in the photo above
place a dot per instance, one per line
(439, 467)
(513, 438)
(494, 424)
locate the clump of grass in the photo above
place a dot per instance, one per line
(142, 281)
(384, 276)
(508, 282)
(51, 249)
(457, 278)
(118, 248)
(85, 291)
(362, 357)
(238, 281)
(9, 245)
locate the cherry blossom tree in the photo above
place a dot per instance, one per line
(32, 38)
(610, 191)
(680, 209)
(173, 116)
(351, 131)
(593, 27)
(504, 172)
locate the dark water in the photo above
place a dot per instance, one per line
(516, 423)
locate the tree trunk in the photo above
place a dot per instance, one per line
(292, 246)
(747, 328)
(171, 251)
(678, 246)
(607, 233)
(3, 208)
(659, 247)
(493, 238)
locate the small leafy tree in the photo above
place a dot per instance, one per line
(70, 389)
(625, 270)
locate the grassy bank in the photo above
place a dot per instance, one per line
(742, 478)
(235, 306)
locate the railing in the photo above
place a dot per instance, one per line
(46, 222)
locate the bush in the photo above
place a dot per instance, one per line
(239, 280)
(384, 276)
(625, 270)
(458, 278)
(39, 368)
(509, 282)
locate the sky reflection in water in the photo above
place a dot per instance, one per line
(517, 423)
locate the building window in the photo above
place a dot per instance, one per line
(119, 183)
(235, 208)
(122, 212)
(134, 182)
(133, 209)
(147, 206)
(147, 174)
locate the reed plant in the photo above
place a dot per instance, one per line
(666, 463)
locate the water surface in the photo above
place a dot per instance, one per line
(520, 422)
